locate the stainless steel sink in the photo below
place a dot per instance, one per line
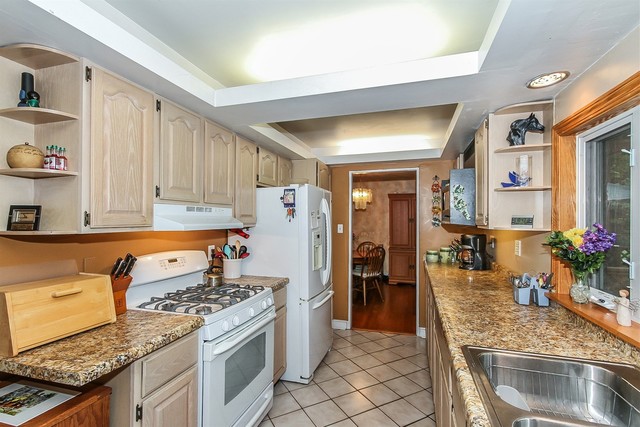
(558, 391)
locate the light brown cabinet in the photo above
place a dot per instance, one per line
(180, 154)
(267, 167)
(311, 171)
(285, 171)
(246, 181)
(446, 396)
(402, 238)
(122, 123)
(160, 389)
(280, 334)
(219, 164)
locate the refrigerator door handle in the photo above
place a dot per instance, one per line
(324, 301)
(325, 274)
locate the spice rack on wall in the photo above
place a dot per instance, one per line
(58, 80)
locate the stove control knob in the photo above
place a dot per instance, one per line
(252, 312)
(269, 301)
(225, 326)
(235, 321)
(263, 304)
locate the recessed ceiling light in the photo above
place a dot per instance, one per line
(547, 79)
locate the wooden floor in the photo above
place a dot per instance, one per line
(396, 314)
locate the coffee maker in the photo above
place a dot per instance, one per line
(473, 255)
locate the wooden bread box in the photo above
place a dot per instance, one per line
(36, 313)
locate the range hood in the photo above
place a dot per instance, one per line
(189, 217)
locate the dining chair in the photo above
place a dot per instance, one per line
(364, 247)
(370, 276)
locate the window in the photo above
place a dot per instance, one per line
(607, 180)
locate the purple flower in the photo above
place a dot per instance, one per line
(599, 240)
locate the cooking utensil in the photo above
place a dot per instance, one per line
(240, 233)
(244, 255)
(226, 250)
(238, 245)
(242, 251)
(212, 279)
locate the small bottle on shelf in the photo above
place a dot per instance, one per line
(47, 157)
(53, 160)
(63, 159)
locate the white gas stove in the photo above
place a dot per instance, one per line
(236, 357)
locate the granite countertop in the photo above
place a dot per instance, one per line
(477, 308)
(275, 283)
(85, 357)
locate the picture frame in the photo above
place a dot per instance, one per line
(24, 218)
(24, 400)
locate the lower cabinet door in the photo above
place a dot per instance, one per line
(402, 266)
(175, 404)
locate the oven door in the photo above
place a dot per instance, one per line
(237, 368)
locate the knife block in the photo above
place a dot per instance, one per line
(120, 286)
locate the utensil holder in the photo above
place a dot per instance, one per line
(539, 298)
(119, 287)
(522, 295)
(231, 268)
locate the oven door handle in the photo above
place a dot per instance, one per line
(230, 344)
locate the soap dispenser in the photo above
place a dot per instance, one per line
(623, 314)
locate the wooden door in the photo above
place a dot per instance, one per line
(482, 196)
(219, 164)
(402, 238)
(246, 180)
(175, 404)
(324, 178)
(402, 226)
(267, 167)
(181, 143)
(285, 171)
(280, 344)
(122, 123)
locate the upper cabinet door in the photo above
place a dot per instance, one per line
(181, 143)
(482, 195)
(285, 171)
(267, 167)
(324, 177)
(402, 225)
(219, 164)
(246, 180)
(122, 123)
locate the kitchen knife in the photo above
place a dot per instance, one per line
(123, 265)
(115, 266)
(129, 266)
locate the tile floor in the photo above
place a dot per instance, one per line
(368, 379)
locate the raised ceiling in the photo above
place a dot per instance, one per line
(476, 59)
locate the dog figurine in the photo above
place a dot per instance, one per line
(520, 127)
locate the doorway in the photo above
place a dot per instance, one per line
(370, 223)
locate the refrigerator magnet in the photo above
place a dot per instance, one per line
(289, 198)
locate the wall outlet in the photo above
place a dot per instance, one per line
(340, 228)
(492, 242)
(210, 250)
(518, 248)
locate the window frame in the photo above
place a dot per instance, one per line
(632, 118)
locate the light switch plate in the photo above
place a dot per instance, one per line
(340, 228)
(518, 248)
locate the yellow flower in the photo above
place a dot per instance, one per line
(575, 235)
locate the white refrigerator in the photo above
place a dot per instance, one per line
(292, 238)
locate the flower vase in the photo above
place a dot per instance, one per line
(579, 289)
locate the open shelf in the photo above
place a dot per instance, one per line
(35, 173)
(36, 56)
(517, 148)
(36, 116)
(518, 189)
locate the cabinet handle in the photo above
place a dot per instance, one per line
(67, 292)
